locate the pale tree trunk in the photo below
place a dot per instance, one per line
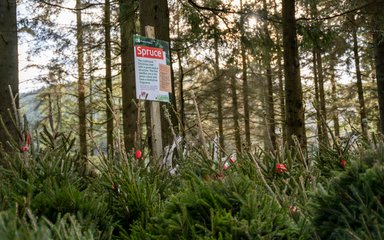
(8, 67)
(281, 90)
(91, 84)
(281, 81)
(293, 89)
(359, 82)
(81, 86)
(220, 86)
(235, 113)
(108, 77)
(128, 85)
(270, 99)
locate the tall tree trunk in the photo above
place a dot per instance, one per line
(181, 94)
(91, 84)
(128, 85)
(378, 45)
(293, 89)
(317, 98)
(281, 90)
(245, 82)
(81, 86)
(108, 76)
(359, 83)
(281, 81)
(220, 86)
(156, 13)
(235, 113)
(323, 111)
(181, 77)
(8, 68)
(335, 116)
(270, 100)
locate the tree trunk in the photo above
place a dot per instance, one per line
(323, 111)
(359, 83)
(293, 89)
(156, 13)
(281, 91)
(81, 86)
(335, 116)
(128, 85)
(245, 82)
(317, 98)
(91, 92)
(281, 81)
(220, 86)
(235, 113)
(270, 99)
(108, 77)
(8, 68)
(378, 46)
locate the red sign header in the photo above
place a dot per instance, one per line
(149, 52)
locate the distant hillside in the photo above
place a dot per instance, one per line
(29, 104)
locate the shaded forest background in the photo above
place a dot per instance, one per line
(228, 63)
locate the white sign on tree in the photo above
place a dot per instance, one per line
(152, 69)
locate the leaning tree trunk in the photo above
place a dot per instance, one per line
(128, 85)
(81, 87)
(8, 67)
(293, 89)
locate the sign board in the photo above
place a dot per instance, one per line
(152, 69)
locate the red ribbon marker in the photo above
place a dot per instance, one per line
(280, 168)
(138, 154)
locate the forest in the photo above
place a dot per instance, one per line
(268, 123)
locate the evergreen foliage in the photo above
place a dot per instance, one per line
(351, 206)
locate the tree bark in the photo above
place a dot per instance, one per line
(156, 13)
(271, 126)
(81, 86)
(128, 85)
(335, 115)
(293, 89)
(378, 46)
(245, 82)
(281, 90)
(323, 111)
(8, 68)
(359, 84)
(235, 113)
(317, 98)
(219, 88)
(108, 77)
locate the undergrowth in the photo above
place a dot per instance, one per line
(336, 193)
